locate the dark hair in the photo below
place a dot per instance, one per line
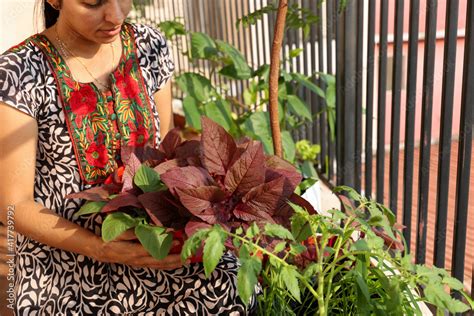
(50, 14)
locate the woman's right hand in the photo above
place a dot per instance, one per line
(133, 254)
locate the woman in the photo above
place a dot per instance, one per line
(70, 97)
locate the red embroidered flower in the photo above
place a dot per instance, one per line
(128, 87)
(96, 155)
(83, 101)
(139, 137)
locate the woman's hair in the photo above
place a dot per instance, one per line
(49, 13)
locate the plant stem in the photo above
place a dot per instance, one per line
(274, 75)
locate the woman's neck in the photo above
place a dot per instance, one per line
(74, 41)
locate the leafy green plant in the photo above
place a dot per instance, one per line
(350, 263)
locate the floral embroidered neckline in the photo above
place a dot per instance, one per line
(100, 123)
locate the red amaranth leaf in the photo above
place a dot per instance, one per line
(218, 147)
(247, 172)
(186, 178)
(282, 215)
(162, 210)
(169, 144)
(199, 201)
(249, 214)
(190, 148)
(96, 194)
(193, 225)
(268, 197)
(131, 167)
(277, 167)
(122, 200)
(170, 164)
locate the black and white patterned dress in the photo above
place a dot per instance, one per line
(51, 281)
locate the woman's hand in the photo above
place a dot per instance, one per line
(125, 249)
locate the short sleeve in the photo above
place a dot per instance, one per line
(157, 55)
(17, 82)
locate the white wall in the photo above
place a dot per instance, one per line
(17, 22)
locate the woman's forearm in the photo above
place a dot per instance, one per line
(43, 225)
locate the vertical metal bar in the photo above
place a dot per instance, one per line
(449, 67)
(426, 117)
(340, 79)
(410, 119)
(370, 99)
(358, 106)
(317, 102)
(464, 151)
(331, 16)
(382, 101)
(323, 125)
(396, 96)
(349, 94)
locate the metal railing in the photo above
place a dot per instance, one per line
(394, 77)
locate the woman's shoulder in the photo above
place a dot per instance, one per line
(22, 56)
(149, 34)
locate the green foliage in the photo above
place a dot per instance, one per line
(154, 239)
(115, 224)
(90, 208)
(147, 179)
(321, 267)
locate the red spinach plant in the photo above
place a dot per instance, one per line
(186, 185)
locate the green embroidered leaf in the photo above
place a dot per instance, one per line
(90, 208)
(154, 239)
(147, 179)
(115, 224)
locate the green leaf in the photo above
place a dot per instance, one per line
(290, 279)
(154, 239)
(237, 67)
(252, 231)
(192, 244)
(196, 86)
(147, 179)
(298, 107)
(300, 227)
(289, 147)
(172, 28)
(304, 81)
(90, 208)
(191, 112)
(296, 52)
(297, 249)
(275, 230)
(115, 224)
(247, 277)
(202, 46)
(308, 170)
(279, 247)
(219, 111)
(213, 250)
(360, 245)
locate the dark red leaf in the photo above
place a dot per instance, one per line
(169, 144)
(283, 214)
(194, 225)
(248, 214)
(122, 200)
(298, 200)
(96, 194)
(199, 199)
(131, 167)
(247, 172)
(190, 148)
(218, 147)
(268, 197)
(277, 167)
(170, 164)
(186, 178)
(160, 210)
